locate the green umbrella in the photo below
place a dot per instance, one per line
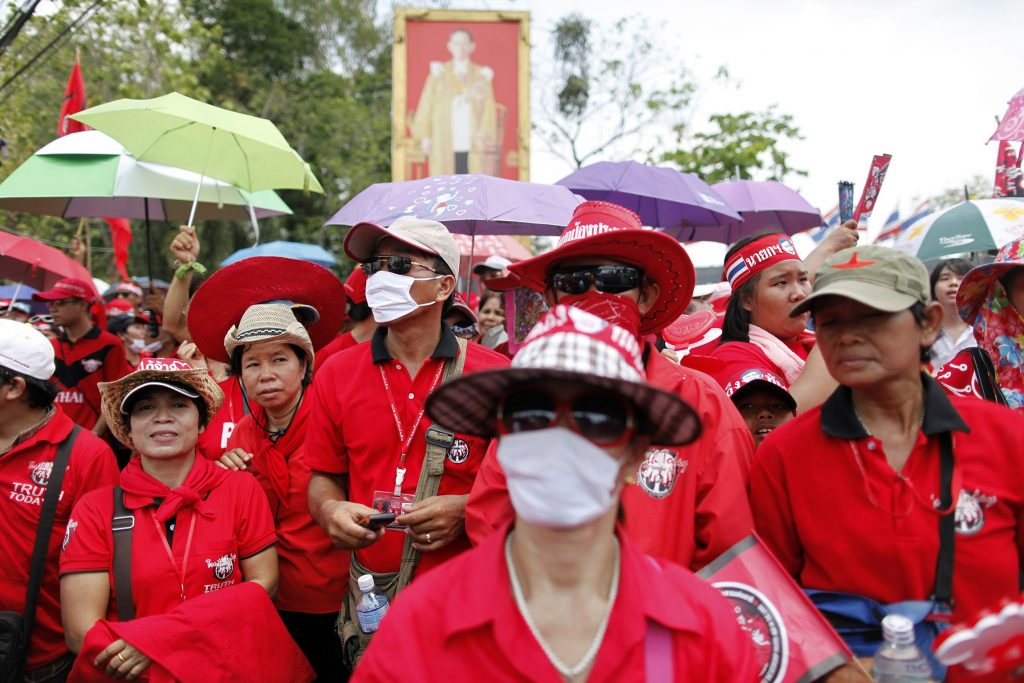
(975, 225)
(176, 130)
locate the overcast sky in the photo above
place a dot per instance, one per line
(919, 79)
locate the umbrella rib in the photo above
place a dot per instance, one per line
(161, 137)
(248, 172)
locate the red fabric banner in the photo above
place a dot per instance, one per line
(792, 640)
(869, 195)
(121, 235)
(1008, 172)
(74, 102)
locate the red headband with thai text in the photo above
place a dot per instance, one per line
(753, 258)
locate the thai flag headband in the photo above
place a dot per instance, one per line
(753, 258)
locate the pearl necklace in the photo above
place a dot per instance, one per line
(595, 644)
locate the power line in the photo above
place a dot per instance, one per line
(59, 245)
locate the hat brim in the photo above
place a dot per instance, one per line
(222, 300)
(977, 286)
(362, 238)
(166, 385)
(760, 384)
(479, 268)
(663, 259)
(876, 296)
(286, 337)
(675, 423)
(113, 395)
(55, 296)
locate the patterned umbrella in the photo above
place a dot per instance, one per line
(978, 225)
(1011, 126)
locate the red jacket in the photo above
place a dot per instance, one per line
(689, 504)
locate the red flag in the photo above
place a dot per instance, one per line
(792, 640)
(74, 102)
(121, 235)
(869, 195)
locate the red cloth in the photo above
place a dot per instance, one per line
(140, 489)
(24, 470)
(121, 236)
(740, 356)
(237, 525)
(352, 431)
(756, 257)
(313, 573)
(214, 439)
(336, 345)
(231, 635)
(688, 505)
(812, 502)
(74, 102)
(96, 357)
(476, 632)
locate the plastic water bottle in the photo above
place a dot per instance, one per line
(372, 606)
(899, 660)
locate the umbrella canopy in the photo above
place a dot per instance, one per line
(663, 197)
(23, 259)
(1011, 126)
(243, 150)
(89, 174)
(296, 250)
(978, 225)
(764, 205)
(472, 204)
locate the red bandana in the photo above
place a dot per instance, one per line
(757, 256)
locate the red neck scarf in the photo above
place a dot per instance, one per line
(270, 466)
(140, 488)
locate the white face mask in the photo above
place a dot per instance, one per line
(556, 478)
(140, 345)
(388, 295)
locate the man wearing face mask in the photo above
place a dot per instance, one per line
(366, 440)
(131, 329)
(688, 504)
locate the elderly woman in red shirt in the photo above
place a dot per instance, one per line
(562, 594)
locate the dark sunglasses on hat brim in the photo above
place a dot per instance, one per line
(602, 417)
(611, 279)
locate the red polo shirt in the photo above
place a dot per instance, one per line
(214, 439)
(689, 504)
(475, 630)
(96, 357)
(240, 527)
(314, 574)
(336, 345)
(839, 517)
(352, 432)
(24, 471)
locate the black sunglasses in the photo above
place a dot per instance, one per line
(611, 279)
(465, 331)
(399, 265)
(601, 417)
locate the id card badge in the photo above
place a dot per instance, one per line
(388, 502)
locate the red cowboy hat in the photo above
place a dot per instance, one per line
(606, 230)
(220, 302)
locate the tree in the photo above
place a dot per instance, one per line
(740, 146)
(977, 187)
(602, 102)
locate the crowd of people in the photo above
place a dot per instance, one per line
(224, 453)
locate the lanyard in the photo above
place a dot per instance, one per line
(170, 555)
(406, 441)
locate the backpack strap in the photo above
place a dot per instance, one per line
(122, 525)
(45, 528)
(947, 538)
(985, 373)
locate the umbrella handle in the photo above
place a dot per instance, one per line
(255, 223)
(199, 185)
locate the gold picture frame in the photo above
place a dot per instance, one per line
(504, 149)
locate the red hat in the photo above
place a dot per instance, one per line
(355, 285)
(567, 345)
(606, 230)
(460, 306)
(120, 307)
(68, 288)
(315, 294)
(758, 378)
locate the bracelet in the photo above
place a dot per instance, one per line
(186, 267)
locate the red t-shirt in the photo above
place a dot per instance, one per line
(313, 573)
(689, 504)
(352, 431)
(336, 345)
(81, 365)
(24, 471)
(839, 517)
(241, 526)
(476, 631)
(214, 439)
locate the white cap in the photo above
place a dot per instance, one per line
(366, 583)
(24, 350)
(492, 262)
(898, 629)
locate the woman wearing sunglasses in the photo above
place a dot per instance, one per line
(890, 492)
(562, 594)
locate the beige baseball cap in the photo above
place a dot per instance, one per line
(419, 233)
(882, 278)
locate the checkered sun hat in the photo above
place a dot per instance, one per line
(574, 346)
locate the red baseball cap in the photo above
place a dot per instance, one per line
(68, 288)
(355, 285)
(606, 230)
(758, 378)
(120, 307)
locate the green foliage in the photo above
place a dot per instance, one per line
(746, 145)
(320, 69)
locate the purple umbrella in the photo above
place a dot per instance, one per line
(764, 204)
(473, 204)
(664, 197)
